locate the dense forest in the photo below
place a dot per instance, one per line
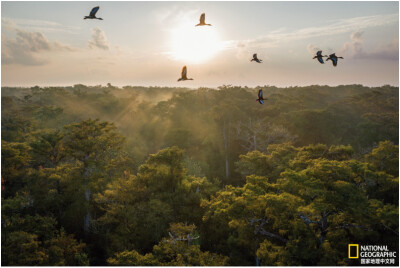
(103, 175)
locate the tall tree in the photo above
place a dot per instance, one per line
(95, 145)
(138, 209)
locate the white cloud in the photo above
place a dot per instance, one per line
(37, 25)
(27, 48)
(7, 24)
(355, 49)
(99, 40)
(22, 51)
(273, 39)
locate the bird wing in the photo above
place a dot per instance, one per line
(320, 60)
(334, 60)
(255, 56)
(203, 18)
(319, 53)
(261, 101)
(260, 93)
(184, 71)
(94, 11)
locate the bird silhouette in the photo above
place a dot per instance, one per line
(334, 59)
(255, 58)
(260, 97)
(319, 56)
(92, 14)
(203, 20)
(183, 75)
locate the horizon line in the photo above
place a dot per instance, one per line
(198, 87)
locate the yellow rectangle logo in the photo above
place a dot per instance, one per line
(353, 251)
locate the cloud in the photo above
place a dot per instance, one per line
(7, 24)
(33, 41)
(37, 25)
(355, 49)
(355, 46)
(356, 35)
(20, 51)
(334, 27)
(99, 40)
(389, 51)
(28, 47)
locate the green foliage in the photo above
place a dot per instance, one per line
(176, 250)
(64, 250)
(15, 122)
(138, 209)
(43, 227)
(35, 240)
(385, 158)
(22, 248)
(320, 202)
(172, 176)
(92, 140)
(48, 149)
(269, 164)
(132, 258)
(15, 159)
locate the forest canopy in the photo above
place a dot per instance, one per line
(102, 175)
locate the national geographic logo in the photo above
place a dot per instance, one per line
(353, 251)
(372, 254)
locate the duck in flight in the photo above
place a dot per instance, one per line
(260, 97)
(203, 20)
(255, 58)
(92, 14)
(319, 56)
(183, 75)
(334, 59)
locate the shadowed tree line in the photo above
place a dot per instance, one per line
(174, 176)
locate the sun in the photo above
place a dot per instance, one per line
(191, 44)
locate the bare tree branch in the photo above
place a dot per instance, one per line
(307, 220)
(260, 230)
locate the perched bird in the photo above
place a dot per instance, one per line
(260, 97)
(255, 58)
(334, 59)
(319, 56)
(183, 75)
(203, 20)
(92, 14)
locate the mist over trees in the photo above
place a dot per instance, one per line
(102, 175)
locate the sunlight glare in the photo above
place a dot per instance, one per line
(191, 44)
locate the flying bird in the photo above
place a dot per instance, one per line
(319, 56)
(260, 97)
(203, 20)
(92, 14)
(334, 59)
(255, 58)
(183, 75)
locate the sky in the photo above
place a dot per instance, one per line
(148, 43)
